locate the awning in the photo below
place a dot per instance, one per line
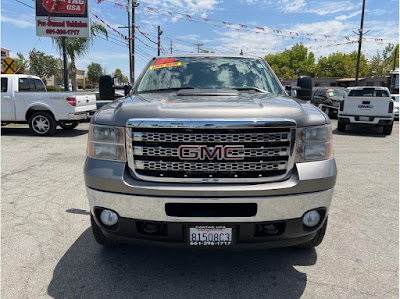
(349, 79)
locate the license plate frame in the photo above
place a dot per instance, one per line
(210, 235)
(363, 118)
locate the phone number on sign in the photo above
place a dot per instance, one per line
(62, 31)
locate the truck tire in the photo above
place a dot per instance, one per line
(100, 238)
(387, 129)
(42, 123)
(69, 125)
(341, 126)
(317, 239)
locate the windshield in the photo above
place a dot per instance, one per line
(336, 92)
(208, 73)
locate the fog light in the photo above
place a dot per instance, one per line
(108, 217)
(311, 218)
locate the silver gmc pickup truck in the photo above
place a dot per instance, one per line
(210, 151)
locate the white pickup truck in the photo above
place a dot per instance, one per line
(367, 106)
(24, 99)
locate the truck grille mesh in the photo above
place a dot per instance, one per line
(267, 153)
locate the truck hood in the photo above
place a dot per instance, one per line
(243, 105)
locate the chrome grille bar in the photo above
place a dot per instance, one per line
(210, 137)
(210, 166)
(246, 152)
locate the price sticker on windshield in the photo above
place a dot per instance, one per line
(165, 62)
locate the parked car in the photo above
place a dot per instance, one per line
(367, 106)
(24, 99)
(209, 150)
(395, 98)
(328, 99)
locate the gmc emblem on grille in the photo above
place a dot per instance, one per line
(203, 152)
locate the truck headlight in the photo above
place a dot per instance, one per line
(314, 143)
(106, 143)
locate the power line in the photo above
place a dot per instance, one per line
(25, 4)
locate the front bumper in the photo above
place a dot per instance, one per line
(290, 232)
(151, 208)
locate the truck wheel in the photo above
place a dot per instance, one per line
(317, 239)
(341, 126)
(100, 238)
(42, 123)
(387, 129)
(69, 125)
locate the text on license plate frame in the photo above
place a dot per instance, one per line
(210, 235)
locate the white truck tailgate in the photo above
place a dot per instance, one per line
(85, 102)
(367, 106)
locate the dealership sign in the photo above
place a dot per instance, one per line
(68, 18)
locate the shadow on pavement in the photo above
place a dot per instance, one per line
(88, 270)
(78, 211)
(26, 132)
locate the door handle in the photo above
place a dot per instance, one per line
(6, 97)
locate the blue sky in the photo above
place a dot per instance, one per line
(304, 18)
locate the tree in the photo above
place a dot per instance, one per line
(94, 72)
(42, 65)
(382, 64)
(292, 62)
(120, 78)
(21, 62)
(78, 46)
(339, 64)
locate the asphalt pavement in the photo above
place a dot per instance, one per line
(48, 250)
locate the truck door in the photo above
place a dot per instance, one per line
(7, 101)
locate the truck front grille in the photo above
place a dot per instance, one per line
(265, 148)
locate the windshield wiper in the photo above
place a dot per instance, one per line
(251, 88)
(166, 89)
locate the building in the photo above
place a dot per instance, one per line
(5, 53)
(58, 79)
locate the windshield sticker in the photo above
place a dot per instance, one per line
(164, 60)
(153, 67)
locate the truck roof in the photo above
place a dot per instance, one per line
(206, 55)
(20, 76)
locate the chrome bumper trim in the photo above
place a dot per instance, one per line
(270, 208)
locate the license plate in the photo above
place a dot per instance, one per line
(364, 118)
(206, 235)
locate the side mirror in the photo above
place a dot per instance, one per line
(106, 88)
(127, 89)
(305, 91)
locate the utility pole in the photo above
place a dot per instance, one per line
(360, 32)
(393, 77)
(129, 42)
(198, 47)
(170, 46)
(66, 81)
(134, 5)
(159, 32)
